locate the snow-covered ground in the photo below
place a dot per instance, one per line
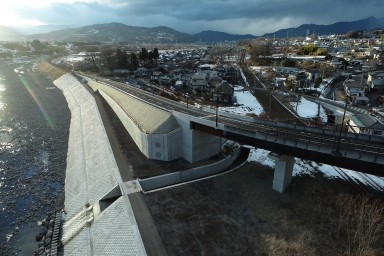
(248, 102)
(308, 109)
(309, 167)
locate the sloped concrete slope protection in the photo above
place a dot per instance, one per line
(93, 228)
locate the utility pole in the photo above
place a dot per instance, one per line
(217, 106)
(337, 150)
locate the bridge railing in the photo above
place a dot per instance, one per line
(328, 130)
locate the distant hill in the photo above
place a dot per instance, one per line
(30, 30)
(8, 34)
(118, 32)
(336, 28)
(216, 36)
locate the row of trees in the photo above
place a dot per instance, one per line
(120, 59)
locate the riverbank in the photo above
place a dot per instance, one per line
(34, 126)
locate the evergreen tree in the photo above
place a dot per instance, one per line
(121, 59)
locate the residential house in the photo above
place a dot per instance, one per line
(197, 82)
(366, 124)
(297, 77)
(207, 73)
(232, 75)
(370, 52)
(286, 70)
(353, 88)
(166, 80)
(376, 80)
(156, 75)
(312, 74)
(223, 92)
(213, 82)
(142, 72)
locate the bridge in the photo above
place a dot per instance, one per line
(169, 130)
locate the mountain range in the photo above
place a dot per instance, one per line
(118, 32)
(367, 24)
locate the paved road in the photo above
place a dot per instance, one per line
(151, 238)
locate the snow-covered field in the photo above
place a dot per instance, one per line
(308, 109)
(247, 100)
(309, 167)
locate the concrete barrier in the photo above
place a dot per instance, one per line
(188, 175)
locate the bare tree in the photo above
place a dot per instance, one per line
(362, 220)
(93, 56)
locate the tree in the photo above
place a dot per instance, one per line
(318, 81)
(37, 45)
(288, 63)
(311, 49)
(134, 63)
(93, 56)
(308, 64)
(108, 55)
(354, 33)
(121, 59)
(143, 55)
(328, 57)
(259, 51)
(155, 53)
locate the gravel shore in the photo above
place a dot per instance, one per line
(34, 126)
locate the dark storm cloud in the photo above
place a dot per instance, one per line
(254, 16)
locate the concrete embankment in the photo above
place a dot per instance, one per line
(155, 132)
(99, 217)
(188, 175)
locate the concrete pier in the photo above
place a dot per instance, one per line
(283, 171)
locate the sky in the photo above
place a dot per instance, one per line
(255, 17)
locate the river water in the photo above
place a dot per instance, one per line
(34, 129)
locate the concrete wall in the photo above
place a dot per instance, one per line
(188, 175)
(91, 173)
(165, 147)
(196, 145)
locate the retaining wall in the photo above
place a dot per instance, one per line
(92, 173)
(165, 147)
(188, 175)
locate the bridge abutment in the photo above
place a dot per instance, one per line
(283, 171)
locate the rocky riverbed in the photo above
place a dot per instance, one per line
(34, 127)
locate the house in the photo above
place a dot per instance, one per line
(366, 124)
(297, 77)
(286, 70)
(313, 74)
(142, 72)
(213, 82)
(376, 80)
(208, 74)
(353, 88)
(223, 92)
(370, 52)
(166, 80)
(231, 75)
(197, 82)
(156, 75)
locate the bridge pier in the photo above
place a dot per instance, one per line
(283, 171)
